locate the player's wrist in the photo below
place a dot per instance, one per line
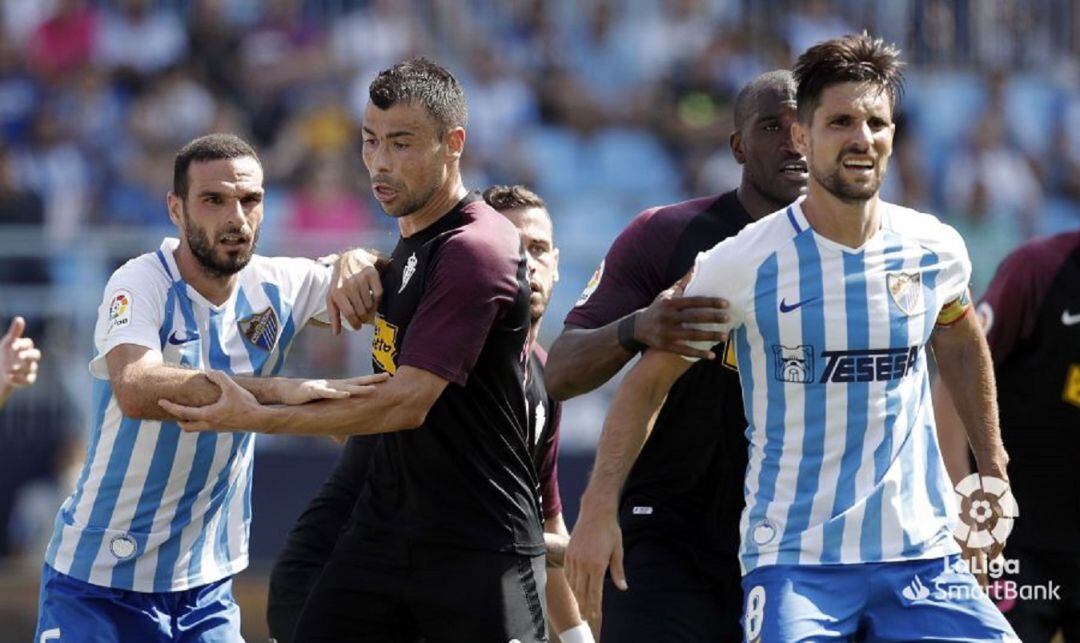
(580, 633)
(627, 334)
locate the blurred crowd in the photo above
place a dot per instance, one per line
(605, 107)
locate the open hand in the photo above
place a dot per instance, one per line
(595, 544)
(664, 325)
(294, 391)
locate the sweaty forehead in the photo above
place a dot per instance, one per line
(400, 117)
(856, 97)
(239, 174)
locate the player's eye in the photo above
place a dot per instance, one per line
(400, 146)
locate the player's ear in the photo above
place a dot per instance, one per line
(737, 148)
(176, 208)
(555, 254)
(455, 142)
(799, 138)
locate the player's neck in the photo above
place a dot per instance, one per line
(534, 333)
(214, 288)
(754, 202)
(444, 199)
(849, 223)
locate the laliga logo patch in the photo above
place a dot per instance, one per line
(261, 329)
(119, 310)
(906, 291)
(987, 511)
(591, 287)
(123, 546)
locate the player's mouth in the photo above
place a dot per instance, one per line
(234, 241)
(794, 170)
(858, 166)
(383, 192)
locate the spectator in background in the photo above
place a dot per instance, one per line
(18, 360)
(139, 38)
(65, 42)
(992, 192)
(327, 204)
(503, 104)
(19, 206)
(20, 93)
(55, 167)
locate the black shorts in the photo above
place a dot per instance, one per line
(311, 540)
(674, 596)
(1038, 616)
(381, 589)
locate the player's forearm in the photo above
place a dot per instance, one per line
(967, 370)
(562, 606)
(582, 359)
(139, 389)
(951, 434)
(5, 392)
(388, 409)
(625, 430)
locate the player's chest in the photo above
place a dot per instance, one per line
(848, 323)
(244, 336)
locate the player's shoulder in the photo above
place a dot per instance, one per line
(669, 220)
(921, 227)
(1041, 256)
(144, 272)
(265, 268)
(761, 238)
(484, 234)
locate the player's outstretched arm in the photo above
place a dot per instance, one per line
(562, 607)
(582, 359)
(597, 541)
(140, 378)
(383, 405)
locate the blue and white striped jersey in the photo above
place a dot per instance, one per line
(156, 509)
(831, 349)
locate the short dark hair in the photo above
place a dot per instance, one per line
(858, 58)
(779, 80)
(212, 147)
(512, 197)
(426, 83)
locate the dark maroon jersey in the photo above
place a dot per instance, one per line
(545, 415)
(687, 484)
(1032, 314)
(456, 303)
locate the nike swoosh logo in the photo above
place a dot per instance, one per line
(176, 341)
(1069, 320)
(785, 308)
